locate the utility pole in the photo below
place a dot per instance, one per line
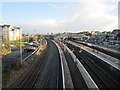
(9, 41)
(20, 37)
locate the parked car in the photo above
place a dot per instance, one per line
(30, 48)
(31, 43)
(34, 45)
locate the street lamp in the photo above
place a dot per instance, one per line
(35, 35)
(13, 34)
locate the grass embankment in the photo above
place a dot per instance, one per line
(7, 74)
(7, 45)
(5, 50)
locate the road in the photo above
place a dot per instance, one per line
(47, 74)
(102, 73)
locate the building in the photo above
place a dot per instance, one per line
(116, 31)
(0, 33)
(10, 33)
(16, 33)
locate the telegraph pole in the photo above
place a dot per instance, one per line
(20, 33)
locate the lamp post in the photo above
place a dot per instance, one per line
(13, 34)
(35, 35)
(9, 41)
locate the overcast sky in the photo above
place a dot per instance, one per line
(47, 17)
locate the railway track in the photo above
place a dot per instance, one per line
(105, 78)
(47, 72)
(50, 83)
(29, 81)
(52, 76)
(102, 78)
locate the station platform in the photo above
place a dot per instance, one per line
(104, 57)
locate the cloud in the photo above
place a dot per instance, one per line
(95, 15)
(94, 9)
(42, 26)
(87, 15)
(58, 5)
